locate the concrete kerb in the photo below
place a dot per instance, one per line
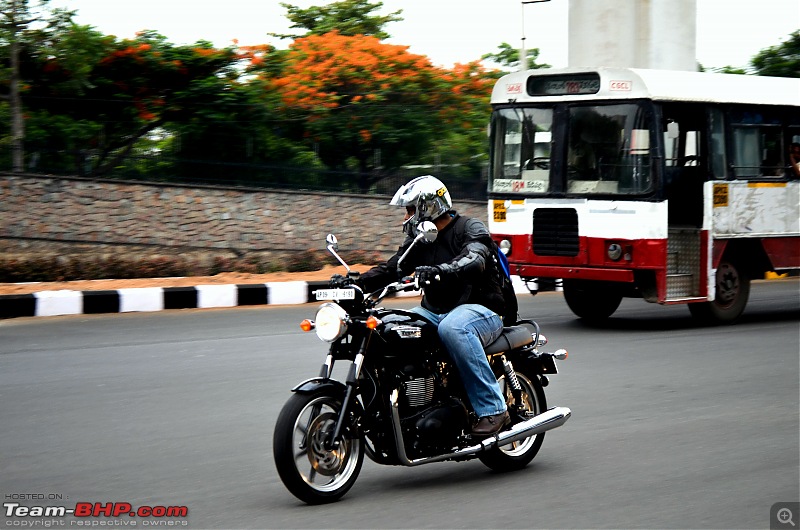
(147, 299)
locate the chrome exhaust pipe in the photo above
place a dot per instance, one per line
(550, 419)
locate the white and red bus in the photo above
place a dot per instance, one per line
(675, 187)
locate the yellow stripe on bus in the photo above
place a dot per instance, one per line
(766, 184)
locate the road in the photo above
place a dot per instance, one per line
(673, 426)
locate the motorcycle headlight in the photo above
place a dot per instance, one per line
(331, 321)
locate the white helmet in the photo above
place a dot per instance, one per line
(428, 195)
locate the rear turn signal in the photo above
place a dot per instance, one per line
(307, 325)
(561, 354)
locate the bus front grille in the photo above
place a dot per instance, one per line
(555, 232)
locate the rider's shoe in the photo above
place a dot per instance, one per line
(489, 425)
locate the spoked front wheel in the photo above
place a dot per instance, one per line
(310, 467)
(517, 455)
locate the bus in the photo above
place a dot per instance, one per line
(675, 187)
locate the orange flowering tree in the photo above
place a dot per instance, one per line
(360, 102)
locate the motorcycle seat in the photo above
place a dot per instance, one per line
(512, 337)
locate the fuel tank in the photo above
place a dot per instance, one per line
(407, 334)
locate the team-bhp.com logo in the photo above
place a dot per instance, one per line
(88, 512)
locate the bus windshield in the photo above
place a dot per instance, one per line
(601, 149)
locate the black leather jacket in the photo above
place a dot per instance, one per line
(463, 252)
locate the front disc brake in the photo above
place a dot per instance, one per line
(327, 462)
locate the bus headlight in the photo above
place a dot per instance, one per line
(505, 247)
(614, 251)
(331, 322)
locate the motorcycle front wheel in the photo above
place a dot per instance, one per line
(310, 470)
(519, 454)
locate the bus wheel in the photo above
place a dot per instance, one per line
(733, 290)
(591, 301)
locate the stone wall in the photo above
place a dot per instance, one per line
(66, 215)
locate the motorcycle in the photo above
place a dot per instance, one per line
(403, 402)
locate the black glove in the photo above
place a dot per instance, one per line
(426, 274)
(338, 281)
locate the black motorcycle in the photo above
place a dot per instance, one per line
(403, 402)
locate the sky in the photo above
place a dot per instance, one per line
(729, 32)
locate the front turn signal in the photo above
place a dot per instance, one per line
(372, 322)
(307, 325)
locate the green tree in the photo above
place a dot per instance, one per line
(242, 125)
(129, 87)
(17, 18)
(462, 149)
(54, 139)
(348, 17)
(782, 60)
(507, 57)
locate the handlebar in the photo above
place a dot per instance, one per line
(406, 283)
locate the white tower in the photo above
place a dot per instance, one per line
(657, 34)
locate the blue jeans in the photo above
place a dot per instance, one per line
(464, 332)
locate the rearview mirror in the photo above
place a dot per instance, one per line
(332, 242)
(428, 231)
(333, 246)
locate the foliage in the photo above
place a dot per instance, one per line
(136, 86)
(730, 70)
(463, 145)
(348, 17)
(782, 60)
(94, 267)
(338, 99)
(508, 58)
(58, 269)
(16, 20)
(356, 95)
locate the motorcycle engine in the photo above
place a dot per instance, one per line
(430, 425)
(418, 392)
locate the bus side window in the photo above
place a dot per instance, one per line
(793, 156)
(758, 149)
(746, 157)
(719, 163)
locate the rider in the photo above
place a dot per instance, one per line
(462, 293)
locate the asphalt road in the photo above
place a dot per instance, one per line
(673, 426)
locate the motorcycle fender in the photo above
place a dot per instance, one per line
(331, 387)
(316, 384)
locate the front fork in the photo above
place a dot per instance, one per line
(352, 381)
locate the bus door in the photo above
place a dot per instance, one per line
(686, 135)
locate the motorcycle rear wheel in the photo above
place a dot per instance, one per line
(517, 455)
(310, 471)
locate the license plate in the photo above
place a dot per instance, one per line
(548, 364)
(335, 294)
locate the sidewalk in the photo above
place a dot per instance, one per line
(76, 302)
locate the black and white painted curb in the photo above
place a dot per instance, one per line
(144, 299)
